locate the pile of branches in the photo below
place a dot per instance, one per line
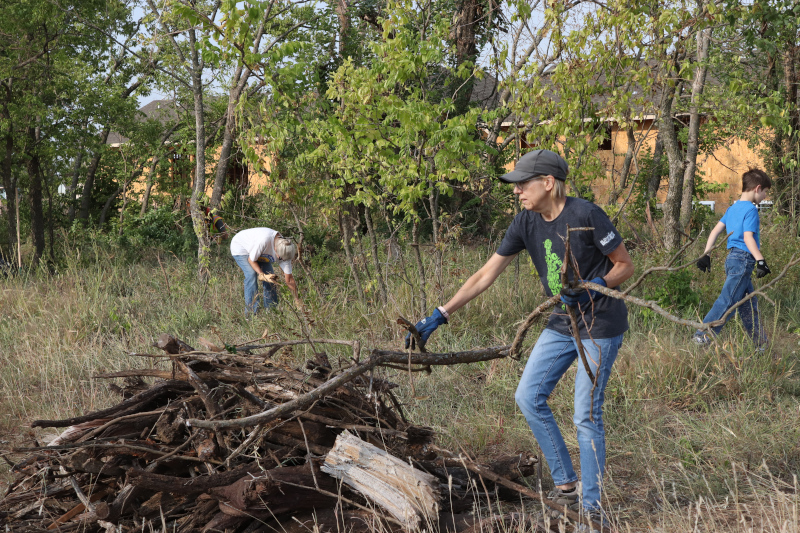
(235, 442)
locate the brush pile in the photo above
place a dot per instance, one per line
(176, 455)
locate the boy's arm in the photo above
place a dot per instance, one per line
(714, 235)
(752, 247)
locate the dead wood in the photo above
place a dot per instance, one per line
(191, 485)
(270, 491)
(408, 494)
(176, 456)
(172, 345)
(129, 406)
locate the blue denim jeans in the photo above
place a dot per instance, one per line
(553, 354)
(738, 284)
(251, 285)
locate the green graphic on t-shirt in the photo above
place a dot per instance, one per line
(554, 264)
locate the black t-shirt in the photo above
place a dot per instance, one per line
(545, 242)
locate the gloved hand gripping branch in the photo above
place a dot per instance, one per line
(425, 327)
(704, 263)
(574, 297)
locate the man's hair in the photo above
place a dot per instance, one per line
(559, 190)
(285, 249)
(755, 177)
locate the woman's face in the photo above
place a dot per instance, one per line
(534, 194)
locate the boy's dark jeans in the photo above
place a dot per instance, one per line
(738, 284)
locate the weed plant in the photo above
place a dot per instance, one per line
(698, 440)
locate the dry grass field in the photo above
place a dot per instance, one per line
(694, 443)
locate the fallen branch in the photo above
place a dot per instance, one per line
(378, 357)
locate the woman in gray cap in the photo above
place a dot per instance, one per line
(600, 256)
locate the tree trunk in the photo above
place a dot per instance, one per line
(343, 227)
(149, 186)
(626, 168)
(467, 20)
(198, 217)
(88, 184)
(9, 184)
(693, 143)
(107, 206)
(50, 216)
(421, 268)
(373, 239)
(73, 187)
(654, 182)
(787, 182)
(342, 12)
(35, 193)
(672, 204)
(433, 200)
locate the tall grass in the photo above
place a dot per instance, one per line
(694, 442)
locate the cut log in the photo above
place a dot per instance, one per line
(408, 494)
(277, 491)
(172, 345)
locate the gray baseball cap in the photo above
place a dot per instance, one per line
(538, 163)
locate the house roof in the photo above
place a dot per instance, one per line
(164, 111)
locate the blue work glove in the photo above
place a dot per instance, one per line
(425, 327)
(574, 297)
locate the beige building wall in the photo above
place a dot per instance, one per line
(724, 166)
(252, 182)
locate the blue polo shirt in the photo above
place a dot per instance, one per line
(740, 217)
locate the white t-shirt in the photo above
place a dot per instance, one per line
(256, 243)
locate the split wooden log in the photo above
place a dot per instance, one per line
(408, 494)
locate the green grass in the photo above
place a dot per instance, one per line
(694, 443)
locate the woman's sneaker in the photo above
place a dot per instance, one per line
(597, 519)
(570, 500)
(701, 339)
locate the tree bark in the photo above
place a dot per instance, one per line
(654, 182)
(35, 193)
(107, 206)
(421, 268)
(787, 182)
(9, 183)
(198, 217)
(73, 187)
(693, 143)
(672, 204)
(342, 13)
(626, 168)
(149, 186)
(348, 252)
(373, 239)
(88, 184)
(467, 20)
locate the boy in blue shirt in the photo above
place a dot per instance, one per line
(741, 220)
